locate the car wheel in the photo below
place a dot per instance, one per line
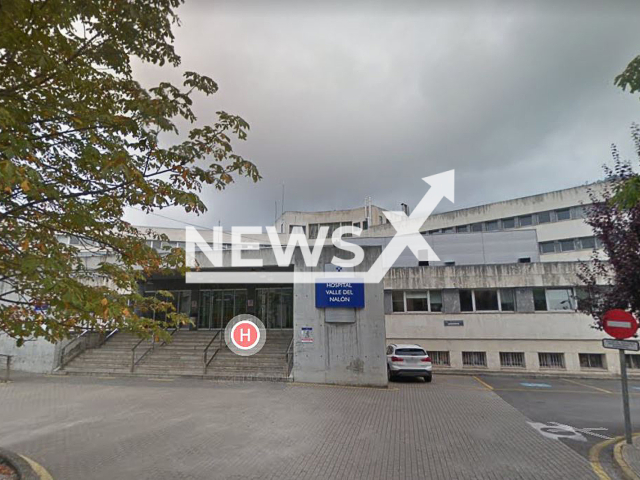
(390, 375)
(428, 378)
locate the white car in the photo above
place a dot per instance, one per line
(408, 361)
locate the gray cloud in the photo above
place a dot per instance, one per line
(366, 100)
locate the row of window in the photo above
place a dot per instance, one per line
(570, 213)
(487, 299)
(546, 360)
(570, 244)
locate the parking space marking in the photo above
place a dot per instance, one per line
(535, 385)
(604, 390)
(483, 383)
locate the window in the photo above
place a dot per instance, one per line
(389, 349)
(507, 300)
(544, 217)
(581, 297)
(397, 299)
(512, 359)
(423, 263)
(580, 211)
(539, 300)
(466, 300)
(431, 232)
(508, 223)
(449, 263)
(564, 214)
(380, 219)
(440, 358)
(356, 224)
(474, 359)
(75, 240)
(448, 230)
(524, 260)
(297, 229)
(417, 301)
(551, 360)
(476, 227)
(587, 243)
(435, 300)
(410, 352)
(633, 361)
(567, 245)
(493, 226)
(486, 300)
(525, 221)
(547, 247)
(591, 360)
(365, 224)
(462, 229)
(560, 298)
(313, 230)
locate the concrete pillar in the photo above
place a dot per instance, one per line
(524, 300)
(450, 301)
(345, 353)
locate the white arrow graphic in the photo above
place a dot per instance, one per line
(408, 228)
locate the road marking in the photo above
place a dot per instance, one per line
(622, 463)
(594, 458)
(536, 385)
(39, 469)
(161, 379)
(604, 390)
(483, 383)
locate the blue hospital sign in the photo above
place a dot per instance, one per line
(339, 294)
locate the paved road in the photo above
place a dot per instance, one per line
(593, 407)
(107, 428)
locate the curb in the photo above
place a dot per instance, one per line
(622, 463)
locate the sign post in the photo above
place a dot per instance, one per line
(621, 325)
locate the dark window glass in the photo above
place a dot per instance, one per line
(435, 299)
(508, 223)
(591, 360)
(507, 300)
(564, 214)
(525, 221)
(486, 299)
(462, 228)
(410, 352)
(492, 226)
(448, 230)
(544, 217)
(466, 303)
(547, 247)
(567, 245)
(560, 298)
(588, 242)
(524, 260)
(397, 298)
(417, 301)
(476, 227)
(539, 300)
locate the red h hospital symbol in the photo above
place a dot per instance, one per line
(245, 335)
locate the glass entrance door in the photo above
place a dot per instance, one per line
(274, 306)
(217, 307)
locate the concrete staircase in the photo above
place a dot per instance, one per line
(183, 356)
(114, 356)
(268, 364)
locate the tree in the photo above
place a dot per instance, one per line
(617, 227)
(81, 140)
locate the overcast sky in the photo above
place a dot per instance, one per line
(346, 103)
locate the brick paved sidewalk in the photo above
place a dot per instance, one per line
(91, 428)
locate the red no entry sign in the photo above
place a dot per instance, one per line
(619, 324)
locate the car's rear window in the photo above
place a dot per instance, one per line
(411, 352)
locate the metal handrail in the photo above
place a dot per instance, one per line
(134, 362)
(75, 343)
(289, 364)
(205, 362)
